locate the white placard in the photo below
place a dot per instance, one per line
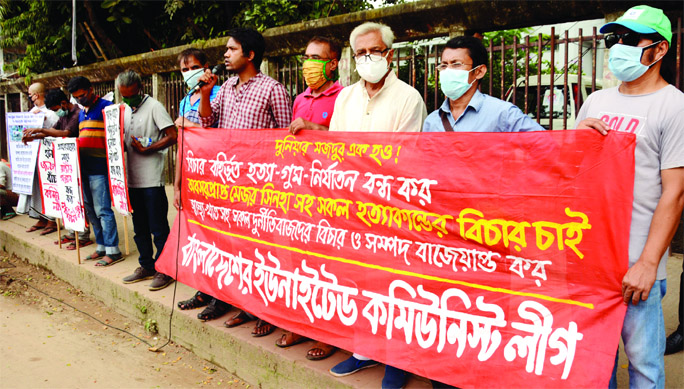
(118, 185)
(69, 183)
(47, 172)
(22, 156)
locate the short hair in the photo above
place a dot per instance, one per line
(476, 49)
(129, 77)
(78, 83)
(55, 97)
(199, 55)
(251, 41)
(334, 47)
(365, 28)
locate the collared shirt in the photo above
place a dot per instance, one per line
(50, 115)
(317, 109)
(484, 113)
(261, 102)
(190, 111)
(396, 107)
(70, 121)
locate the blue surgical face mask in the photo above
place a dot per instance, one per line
(61, 112)
(625, 61)
(454, 82)
(191, 77)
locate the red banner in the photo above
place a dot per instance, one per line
(475, 259)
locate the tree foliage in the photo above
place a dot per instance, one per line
(127, 27)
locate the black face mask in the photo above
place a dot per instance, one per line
(85, 100)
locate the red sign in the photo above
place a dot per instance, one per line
(452, 256)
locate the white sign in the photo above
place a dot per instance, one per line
(22, 156)
(118, 186)
(47, 172)
(69, 183)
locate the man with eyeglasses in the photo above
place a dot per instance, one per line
(466, 109)
(379, 102)
(646, 105)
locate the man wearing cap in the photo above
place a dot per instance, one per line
(646, 105)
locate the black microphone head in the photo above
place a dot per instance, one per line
(218, 68)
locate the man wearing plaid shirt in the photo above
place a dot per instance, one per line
(249, 100)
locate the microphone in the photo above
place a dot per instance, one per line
(216, 70)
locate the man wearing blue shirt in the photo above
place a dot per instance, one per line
(466, 109)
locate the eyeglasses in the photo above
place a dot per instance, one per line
(454, 65)
(308, 57)
(371, 56)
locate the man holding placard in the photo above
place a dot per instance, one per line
(150, 132)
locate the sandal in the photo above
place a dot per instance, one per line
(197, 301)
(109, 260)
(65, 239)
(81, 243)
(35, 227)
(262, 328)
(9, 215)
(327, 349)
(216, 308)
(48, 230)
(95, 255)
(240, 318)
(290, 339)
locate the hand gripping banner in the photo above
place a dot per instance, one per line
(474, 259)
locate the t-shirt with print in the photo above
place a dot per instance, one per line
(657, 119)
(145, 171)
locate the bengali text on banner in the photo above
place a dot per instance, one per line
(448, 255)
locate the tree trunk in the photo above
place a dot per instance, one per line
(112, 50)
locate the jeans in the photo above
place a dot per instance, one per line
(98, 205)
(150, 208)
(643, 334)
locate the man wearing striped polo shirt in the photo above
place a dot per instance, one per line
(94, 177)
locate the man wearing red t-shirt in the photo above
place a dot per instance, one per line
(312, 110)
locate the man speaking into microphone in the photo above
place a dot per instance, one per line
(249, 100)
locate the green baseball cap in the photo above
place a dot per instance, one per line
(644, 20)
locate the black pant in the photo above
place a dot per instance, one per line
(150, 208)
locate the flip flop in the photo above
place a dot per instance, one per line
(95, 255)
(81, 243)
(238, 319)
(48, 230)
(293, 339)
(9, 215)
(261, 324)
(35, 227)
(114, 258)
(66, 239)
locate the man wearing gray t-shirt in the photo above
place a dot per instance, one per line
(150, 132)
(646, 105)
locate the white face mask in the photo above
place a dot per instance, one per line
(191, 76)
(374, 69)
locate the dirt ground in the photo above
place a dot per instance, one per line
(47, 344)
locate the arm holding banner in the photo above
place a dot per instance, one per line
(640, 278)
(40, 133)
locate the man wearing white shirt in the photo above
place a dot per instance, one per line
(379, 102)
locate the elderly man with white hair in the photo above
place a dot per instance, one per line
(378, 102)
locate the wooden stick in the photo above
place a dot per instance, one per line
(78, 247)
(125, 218)
(59, 233)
